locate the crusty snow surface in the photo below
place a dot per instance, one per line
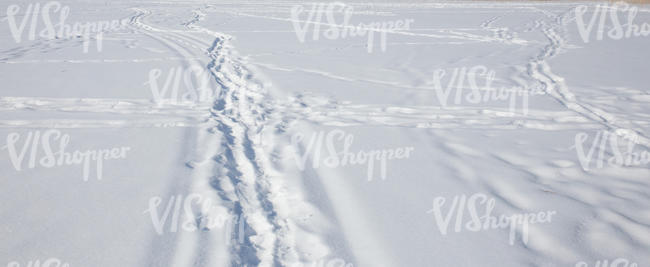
(211, 133)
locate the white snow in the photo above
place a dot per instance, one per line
(289, 133)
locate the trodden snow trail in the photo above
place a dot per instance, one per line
(556, 87)
(249, 182)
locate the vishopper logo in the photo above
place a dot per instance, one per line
(182, 85)
(336, 262)
(192, 213)
(57, 29)
(603, 13)
(51, 262)
(56, 156)
(486, 221)
(342, 30)
(621, 143)
(479, 79)
(619, 262)
(342, 156)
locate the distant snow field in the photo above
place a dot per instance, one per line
(324, 134)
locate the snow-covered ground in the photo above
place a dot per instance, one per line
(287, 133)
